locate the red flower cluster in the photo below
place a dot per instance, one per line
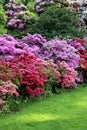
(7, 73)
(84, 59)
(79, 40)
(83, 53)
(29, 67)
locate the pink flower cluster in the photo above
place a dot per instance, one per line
(7, 89)
(68, 75)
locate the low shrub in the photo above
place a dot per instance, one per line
(7, 89)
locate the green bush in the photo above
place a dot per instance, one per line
(57, 21)
(3, 20)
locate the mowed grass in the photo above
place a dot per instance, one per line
(66, 111)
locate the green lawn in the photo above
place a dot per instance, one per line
(67, 111)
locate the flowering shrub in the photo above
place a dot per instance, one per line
(29, 67)
(78, 43)
(7, 73)
(7, 89)
(57, 49)
(20, 18)
(17, 14)
(35, 39)
(68, 75)
(83, 62)
(10, 47)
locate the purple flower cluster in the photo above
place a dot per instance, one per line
(76, 44)
(55, 50)
(17, 14)
(35, 42)
(10, 47)
(41, 3)
(35, 39)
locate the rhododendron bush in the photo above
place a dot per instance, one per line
(81, 46)
(54, 50)
(17, 14)
(10, 47)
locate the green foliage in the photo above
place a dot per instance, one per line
(2, 1)
(3, 19)
(12, 105)
(57, 21)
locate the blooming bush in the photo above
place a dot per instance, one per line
(57, 49)
(7, 73)
(19, 17)
(83, 62)
(68, 75)
(35, 39)
(7, 89)
(29, 67)
(10, 47)
(17, 14)
(78, 43)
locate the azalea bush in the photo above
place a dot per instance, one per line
(68, 75)
(7, 89)
(7, 73)
(29, 67)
